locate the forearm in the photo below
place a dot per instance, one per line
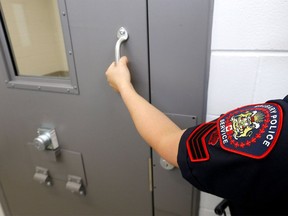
(155, 127)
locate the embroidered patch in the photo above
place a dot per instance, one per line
(214, 138)
(251, 130)
(196, 145)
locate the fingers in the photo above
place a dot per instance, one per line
(118, 75)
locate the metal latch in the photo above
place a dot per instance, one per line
(42, 176)
(75, 185)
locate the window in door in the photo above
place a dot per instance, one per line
(36, 44)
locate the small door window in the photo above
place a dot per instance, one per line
(37, 46)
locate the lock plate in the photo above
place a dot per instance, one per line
(66, 163)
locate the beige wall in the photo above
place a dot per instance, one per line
(36, 34)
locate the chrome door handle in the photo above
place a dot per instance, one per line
(122, 36)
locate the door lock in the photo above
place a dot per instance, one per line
(46, 139)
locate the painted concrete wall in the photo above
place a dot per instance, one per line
(249, 60)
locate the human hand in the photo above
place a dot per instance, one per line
(118, 75)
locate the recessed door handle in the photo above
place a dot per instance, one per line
(122, 36)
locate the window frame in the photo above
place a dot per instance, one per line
(67, 85)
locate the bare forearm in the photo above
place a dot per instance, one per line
(155, 127)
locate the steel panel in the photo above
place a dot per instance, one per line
(173, 195)
(179, 39)
(94, 123)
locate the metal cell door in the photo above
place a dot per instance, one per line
(101, 165)
(179, 38)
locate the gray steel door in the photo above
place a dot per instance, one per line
(97, 139)
(179, 33)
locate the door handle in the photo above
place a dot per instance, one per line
(165, 164)
(122, 36)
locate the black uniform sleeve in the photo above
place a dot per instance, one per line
(229, 157)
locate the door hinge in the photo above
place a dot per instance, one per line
(150, 173)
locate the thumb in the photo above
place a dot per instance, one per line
(124, 60)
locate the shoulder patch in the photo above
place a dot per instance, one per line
(251, 130)
(196, 144)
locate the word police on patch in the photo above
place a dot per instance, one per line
(251, 130)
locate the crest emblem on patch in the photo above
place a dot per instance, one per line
(251, 130)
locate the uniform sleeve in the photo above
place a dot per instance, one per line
(221, 157)
(183, 160)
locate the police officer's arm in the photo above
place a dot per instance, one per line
(153, 125)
